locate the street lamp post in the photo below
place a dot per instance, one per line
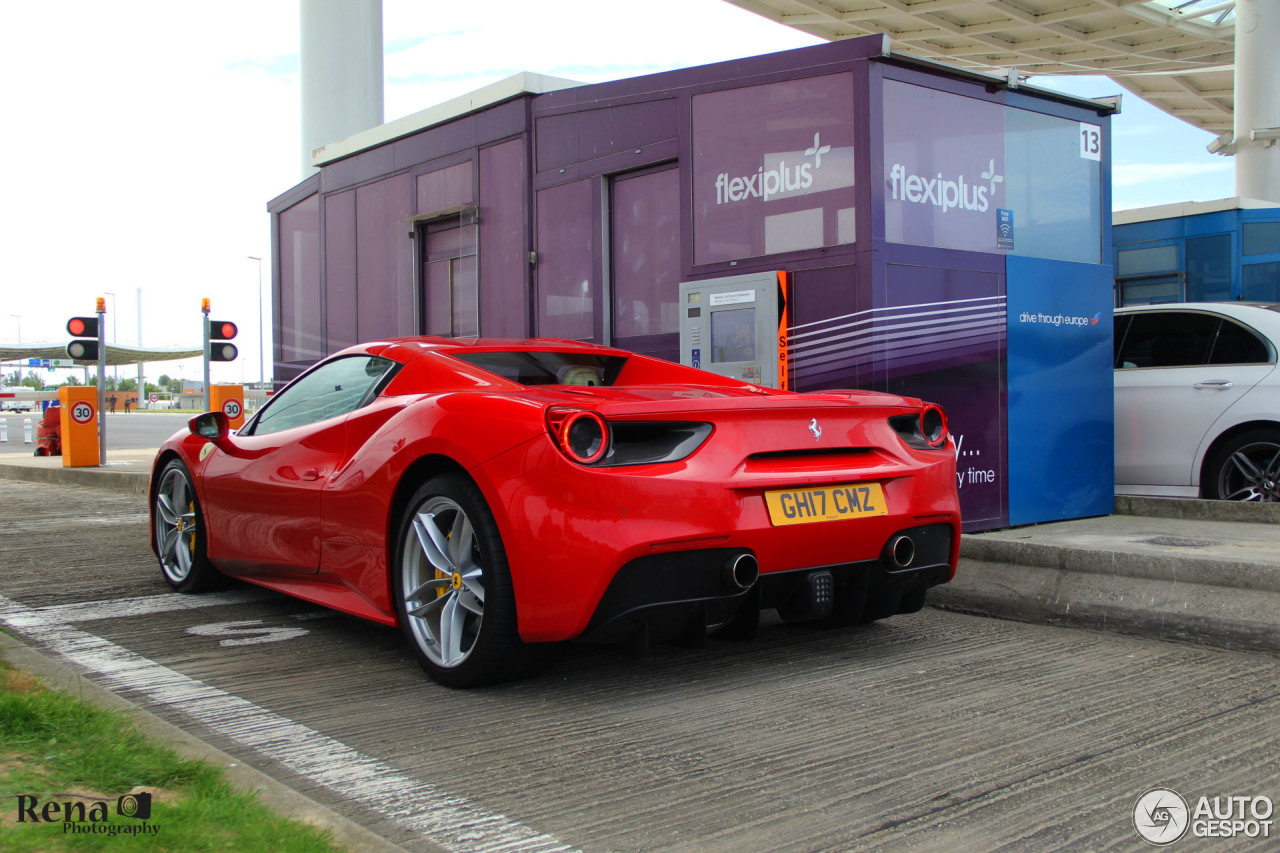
(262, 340)
(142, 385)
(114, 340)
(18, 317)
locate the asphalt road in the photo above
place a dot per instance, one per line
(937, 731)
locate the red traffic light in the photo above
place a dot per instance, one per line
(83, 327)
(222, 330)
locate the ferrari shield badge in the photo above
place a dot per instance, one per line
(205, 451)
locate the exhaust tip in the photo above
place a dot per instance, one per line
(902, 551)
(741, 571)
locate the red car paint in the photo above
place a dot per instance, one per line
(312, 511)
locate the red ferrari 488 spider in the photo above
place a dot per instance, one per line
(487, 495)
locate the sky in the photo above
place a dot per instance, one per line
(142, 139)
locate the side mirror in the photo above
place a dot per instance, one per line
(210, 425)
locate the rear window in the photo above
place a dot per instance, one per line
(548, 368)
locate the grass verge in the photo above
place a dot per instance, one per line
(62, 757)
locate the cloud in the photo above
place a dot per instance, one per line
(275, 66)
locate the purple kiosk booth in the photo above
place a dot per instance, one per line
(927, 231)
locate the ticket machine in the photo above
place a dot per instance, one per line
(737, 326)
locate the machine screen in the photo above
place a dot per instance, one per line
(733, 335)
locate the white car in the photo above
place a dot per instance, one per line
(1198, 400)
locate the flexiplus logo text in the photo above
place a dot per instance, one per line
(770, 181)
(945, 192)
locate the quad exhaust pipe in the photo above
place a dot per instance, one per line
(741, 571)
(902, 551)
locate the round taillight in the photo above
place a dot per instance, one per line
(933, 425)
(582, 435)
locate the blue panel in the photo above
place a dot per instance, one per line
(1061, 411)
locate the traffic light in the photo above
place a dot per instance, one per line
(84, 331)
(222, 330)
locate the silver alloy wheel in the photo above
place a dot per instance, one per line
(442, 579)
(1252, 473)
(176, 525)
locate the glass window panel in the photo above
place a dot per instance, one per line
(1145, 291)
(791, 232)
(1168, 339)
(733, 335)
(328, 391)
(1146, 261)
(646, 254)
(766, 150)
(1209, 268)
(1238, 345)
(1261, 282)
(466, 315)
(1055, 194)
(446, 243)
(1261, 238)
(439, 308)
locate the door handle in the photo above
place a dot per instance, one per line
(311, 474)
(1213, 385)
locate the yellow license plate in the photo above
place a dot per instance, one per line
(805, 506)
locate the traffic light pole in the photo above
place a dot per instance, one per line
(102, 382)
(204, 308)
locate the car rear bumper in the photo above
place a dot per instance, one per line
(595, 544)
(682, 594)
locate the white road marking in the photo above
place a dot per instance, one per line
(448, 820)
(246, 632)
(143, 605)
(36, 525)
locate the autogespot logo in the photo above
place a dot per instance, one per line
(1160, 816)
(765, 183)
(943, 192)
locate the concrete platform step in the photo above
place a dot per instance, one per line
(1182, 570)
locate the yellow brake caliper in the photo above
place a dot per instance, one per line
(441, 575)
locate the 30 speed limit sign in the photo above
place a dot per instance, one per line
(82, 412)
(231, 409)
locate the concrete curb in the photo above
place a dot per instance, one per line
(275, 795)
(1189, 571)
(133, 482)
(1194, 508)
(1207, 615)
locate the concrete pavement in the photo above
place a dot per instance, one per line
(1112, 570)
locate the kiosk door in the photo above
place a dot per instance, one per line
(737, 326)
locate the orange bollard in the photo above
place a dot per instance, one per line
(79, 426)
(228, 399)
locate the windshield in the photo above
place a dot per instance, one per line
(548, 368)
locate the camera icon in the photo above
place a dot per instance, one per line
(134, 805)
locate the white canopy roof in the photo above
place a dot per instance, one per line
(1176, 54)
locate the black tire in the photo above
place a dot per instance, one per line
(452, 586)
(1245, 468)
(179, 533)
